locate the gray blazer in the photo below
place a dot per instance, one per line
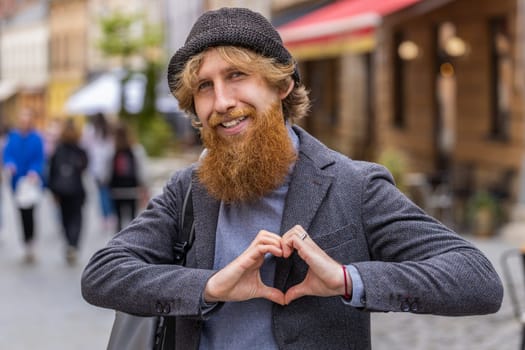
(408, 261)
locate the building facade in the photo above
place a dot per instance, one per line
(450, 95)
(436, 83)
(68, 28)
(24, 55)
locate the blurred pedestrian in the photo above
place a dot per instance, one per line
(98, 143)
(66, 168)
(24, 161)
(127, 180)
(51, 136)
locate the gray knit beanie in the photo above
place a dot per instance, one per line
(230, 27)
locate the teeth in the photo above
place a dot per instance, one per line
(232, 123)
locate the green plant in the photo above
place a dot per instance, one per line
(483, 212)
(481, 200)
(131, 38)
(396, 163)
(156, 136)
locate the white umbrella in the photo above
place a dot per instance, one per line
(103, 95)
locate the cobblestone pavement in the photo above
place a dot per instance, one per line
(42, 307)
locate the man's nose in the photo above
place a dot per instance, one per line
(224, 98)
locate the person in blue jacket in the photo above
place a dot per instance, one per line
(23, 160)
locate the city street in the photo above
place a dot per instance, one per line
(42, 307)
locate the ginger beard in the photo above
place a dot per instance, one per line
(248, 166)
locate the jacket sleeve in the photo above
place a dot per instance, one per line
(134, 273)
(419, 265)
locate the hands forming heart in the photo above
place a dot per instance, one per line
(241, 280)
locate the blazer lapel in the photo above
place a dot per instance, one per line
(206, 212)
(307, 190)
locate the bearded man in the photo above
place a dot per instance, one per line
(294, 243)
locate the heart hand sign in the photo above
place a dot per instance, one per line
(241, 279)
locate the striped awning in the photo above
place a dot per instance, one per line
(343, 26)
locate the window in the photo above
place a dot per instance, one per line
(501, 76)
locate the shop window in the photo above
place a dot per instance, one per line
(501, 74)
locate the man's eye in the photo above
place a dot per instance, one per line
(204, 85)
(237, 74)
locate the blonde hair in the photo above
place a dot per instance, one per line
(295, 106)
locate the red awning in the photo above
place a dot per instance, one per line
(342, 24)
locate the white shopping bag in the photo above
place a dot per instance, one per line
(28, 192)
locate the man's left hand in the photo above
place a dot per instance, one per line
(324, 277)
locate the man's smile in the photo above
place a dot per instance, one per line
(231, 123)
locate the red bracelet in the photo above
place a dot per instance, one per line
(346, 296)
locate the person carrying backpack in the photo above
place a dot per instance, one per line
(127, 179)
(66, 168)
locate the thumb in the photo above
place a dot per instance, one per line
(273, 294)
(295, 292)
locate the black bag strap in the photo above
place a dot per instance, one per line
(165, 333)
(181, 247)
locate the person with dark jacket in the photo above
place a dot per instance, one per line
(66, 169)
(295, 244)
(127, 178)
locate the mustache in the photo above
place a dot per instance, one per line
(218, 118)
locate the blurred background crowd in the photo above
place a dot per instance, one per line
(61, 160)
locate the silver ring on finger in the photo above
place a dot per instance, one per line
(303, 235)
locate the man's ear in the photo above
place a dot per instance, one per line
(286, 92)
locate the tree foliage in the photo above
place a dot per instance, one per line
(131, 38)
(118, 35)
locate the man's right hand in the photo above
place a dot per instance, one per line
(241, 279)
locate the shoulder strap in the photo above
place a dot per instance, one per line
(165, 332)
(187, 232)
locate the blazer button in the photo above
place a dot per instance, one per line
(167, 308)
(363, 301)
(405, 306)
(158, 307)
(414, 307)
